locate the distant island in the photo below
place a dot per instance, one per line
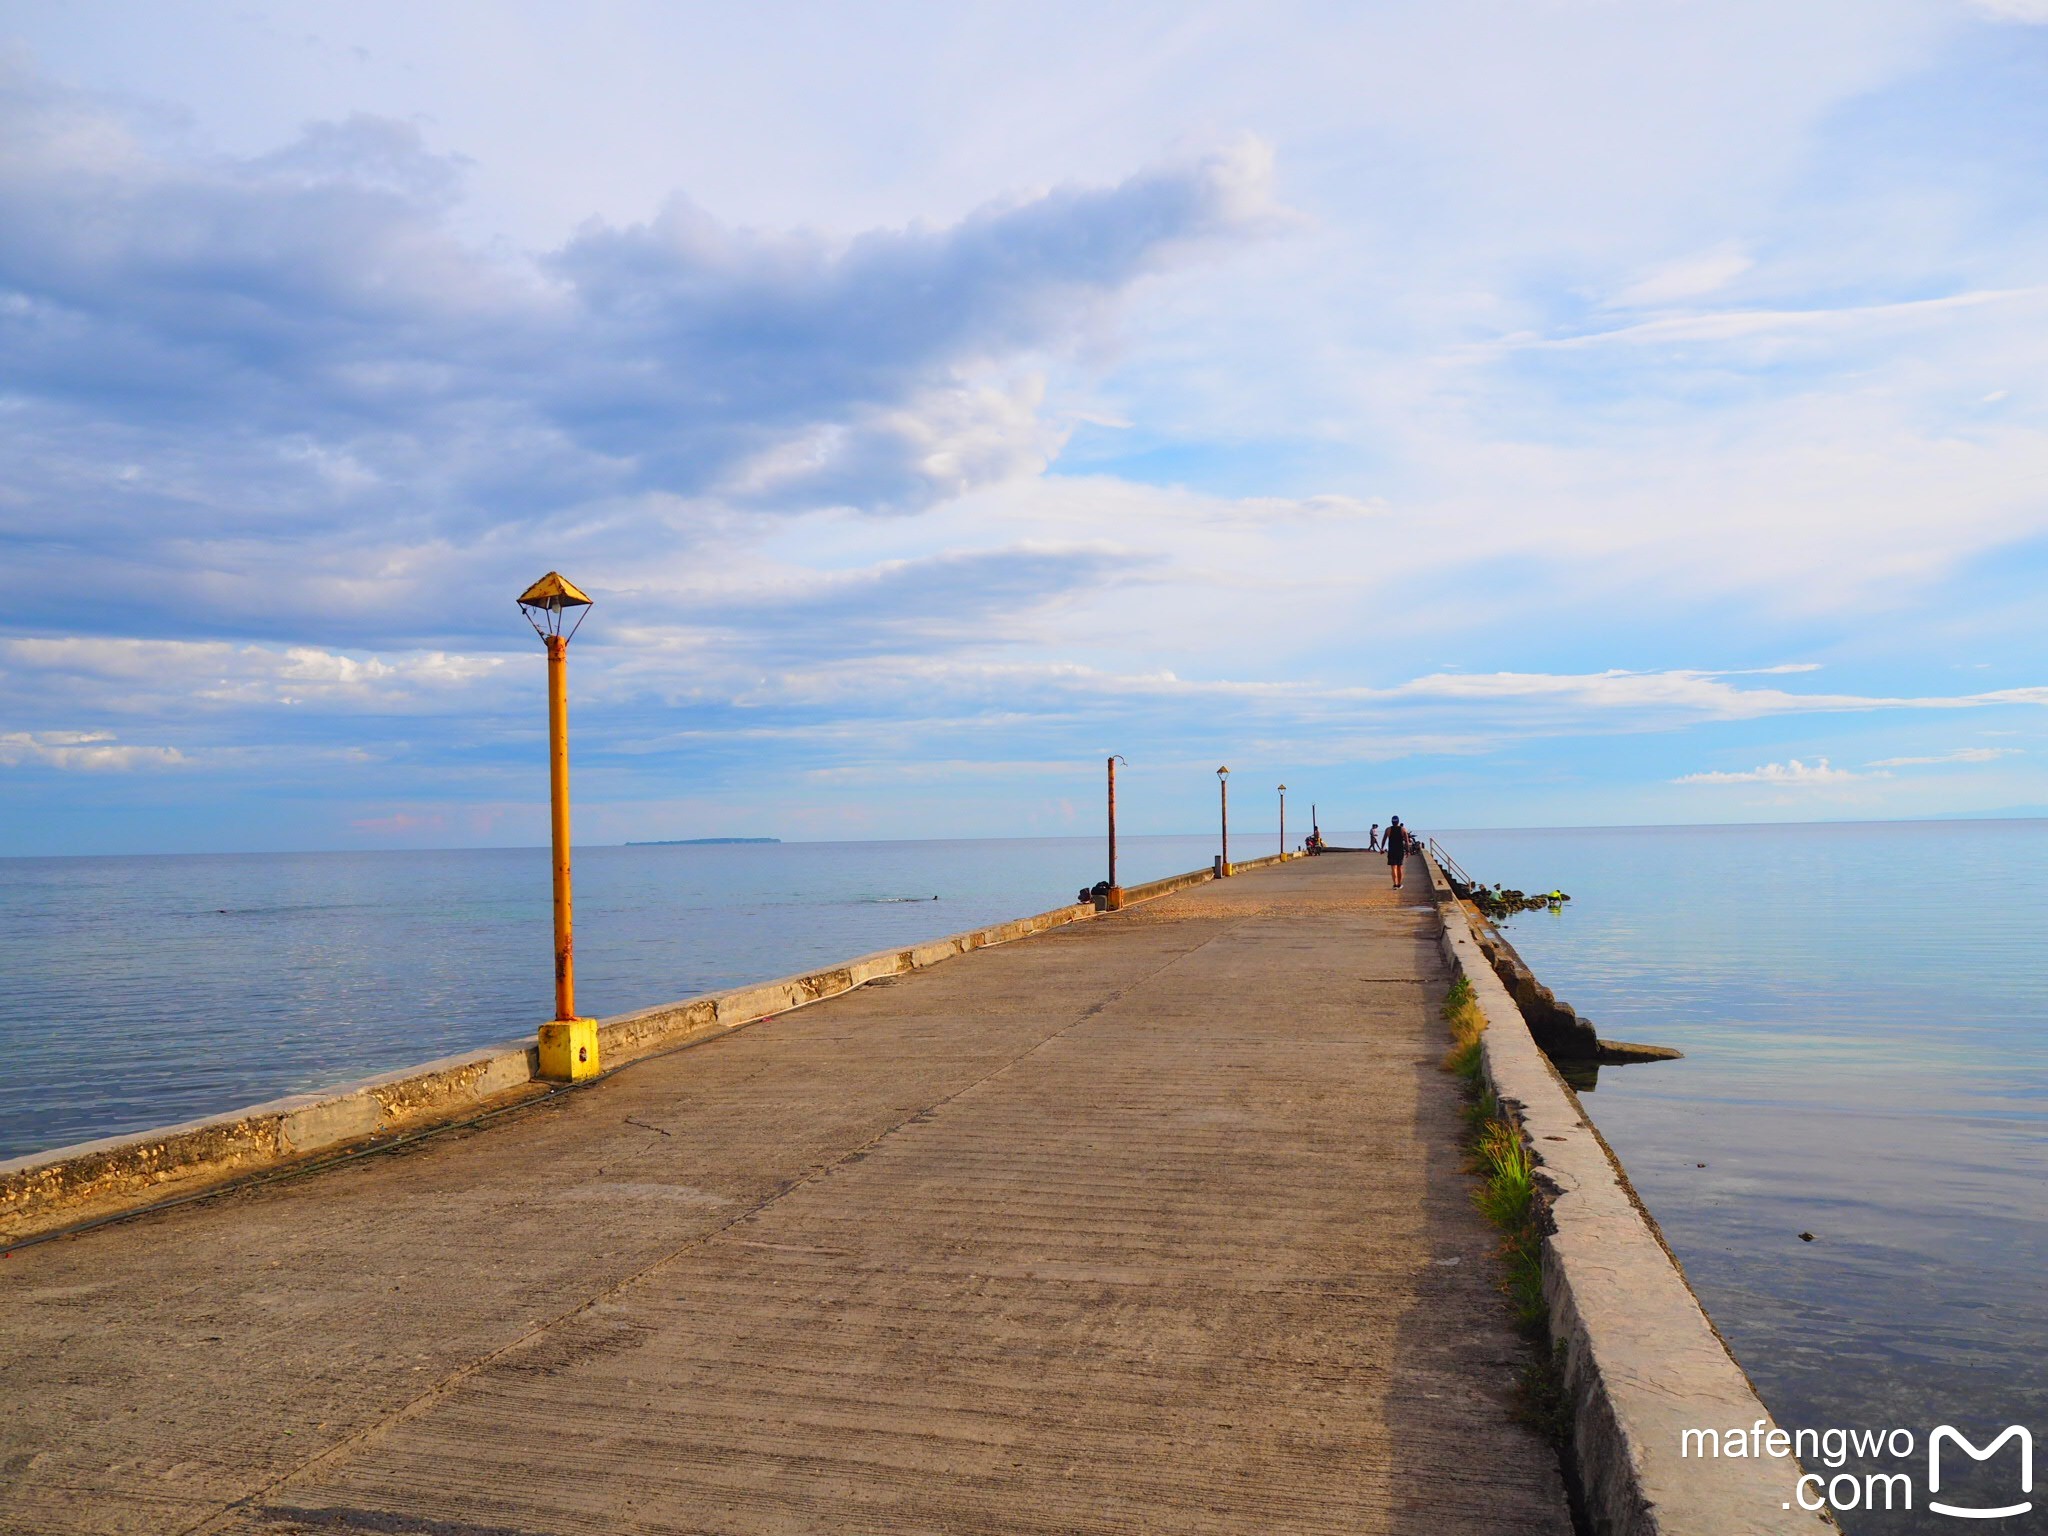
(700, 842)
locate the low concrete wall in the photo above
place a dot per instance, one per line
(1174, 883)
(62, 1187)
(97, 1178)
(1642, 1363)
(1167, 886)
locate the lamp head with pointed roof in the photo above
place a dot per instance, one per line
(547, 600)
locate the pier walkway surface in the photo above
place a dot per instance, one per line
(1152, 1223)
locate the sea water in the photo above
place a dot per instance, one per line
(1864, 1012)
(139, 991)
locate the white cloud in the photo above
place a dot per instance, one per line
(1791, 774)
(2014, 10)
(1510, 703)
(1960, 755)
(1683, 694)
(156, 673)
(324, 411)
(1798, 774)
(939, 444)
(1687, 278)
(83, 751)
(1327, 507)
(271, 389)
(1746, 324)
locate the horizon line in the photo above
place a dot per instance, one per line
(729, 840)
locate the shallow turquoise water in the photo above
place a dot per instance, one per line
(1864, 1011)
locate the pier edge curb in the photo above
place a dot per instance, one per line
(1641, 1359)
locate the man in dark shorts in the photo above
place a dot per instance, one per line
(1397, 846)
(1372, 841)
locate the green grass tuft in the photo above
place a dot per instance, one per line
(1480, 1107)
(1458, 996)
(1502, 1160)
(1461, 1011)
(1507, 1196)
(1509, 1193)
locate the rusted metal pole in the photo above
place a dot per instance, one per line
(1283, 820)
(1112, 821)
(558, 787)
(1223, 789)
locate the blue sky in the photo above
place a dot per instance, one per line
(1544, 413)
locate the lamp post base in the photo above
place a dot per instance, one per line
(1112, 900)
(568, 1050)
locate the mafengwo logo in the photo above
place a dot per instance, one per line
(1988, 1491)
(1945, 1435)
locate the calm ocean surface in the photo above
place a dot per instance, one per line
(143, 991)
(1864, 1011)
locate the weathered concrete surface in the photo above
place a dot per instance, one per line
(1151, 1223)
(63, 1187)
(1642, 1363)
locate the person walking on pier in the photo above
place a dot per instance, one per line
(1397, 849)
(1372, 842)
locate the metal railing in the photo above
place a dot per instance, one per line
(1449, 865)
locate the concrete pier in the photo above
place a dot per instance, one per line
(1149, 1223)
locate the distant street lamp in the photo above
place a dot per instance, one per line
(568, 1045)
(1283, 821)
(1223, 791)
(1115, 899)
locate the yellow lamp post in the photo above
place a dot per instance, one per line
(568, 1044)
